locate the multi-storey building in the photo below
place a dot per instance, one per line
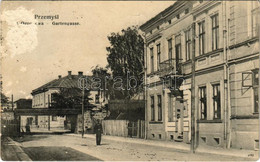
(43, 97)
(209, 36)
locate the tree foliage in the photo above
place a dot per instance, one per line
(70, 98)
(126, 57)
(4, 99)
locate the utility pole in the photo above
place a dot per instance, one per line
(83, 96)
(192, 146)
(12, 102)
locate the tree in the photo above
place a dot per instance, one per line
(70, 98)
(126, 58)
(4, 99)
(104, 77)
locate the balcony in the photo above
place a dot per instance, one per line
(170, 67)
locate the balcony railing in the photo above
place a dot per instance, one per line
(170, 67)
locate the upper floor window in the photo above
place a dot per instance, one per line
(158, 56)
(152, 109)
(202, 37)
(178, 47)
(159, 107)
(187, 11)
(178, 16)
(170, 48)
(203, 102)
(188, 44)
(255, 19)
(152, 60)
(54, 118)
(256, 90)
(216, 101)
(215, 31)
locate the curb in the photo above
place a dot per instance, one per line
(217, 151)
(18, 150)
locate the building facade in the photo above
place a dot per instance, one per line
(43, 97)
(209, 36)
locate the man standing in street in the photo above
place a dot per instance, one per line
(98, 130)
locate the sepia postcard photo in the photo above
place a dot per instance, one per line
(129, 80)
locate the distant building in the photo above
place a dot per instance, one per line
(43, 97)
(226, 41)
(23, 104)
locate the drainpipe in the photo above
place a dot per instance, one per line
(226, 75)
(193, 119)
(145, 88)
(229, 94)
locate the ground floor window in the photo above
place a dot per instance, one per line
(159, 108)
(152, 109)
(256, 90)
(203, 102)
(216, 101)
(170, 111)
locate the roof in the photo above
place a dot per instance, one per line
(69, 81)
(161, 15)
(23, 99)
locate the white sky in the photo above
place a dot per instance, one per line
(34, 55)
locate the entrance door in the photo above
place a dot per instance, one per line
(179, 117)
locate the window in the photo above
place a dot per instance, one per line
(216, 101)
(188, 44)
(178, 16)
(202, 38)
(158, 27)
(203, 102)
(255, 19)
(170, 21)
(97, 99)
(152, 108)
(232, 26)
(159, 108)
(170, 49)
(187, 11)
(256, 90)
(54, 118)
(158, 56)
(152, 60)
(215, 32)
(178, 48)
(170, 111)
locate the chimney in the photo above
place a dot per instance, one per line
(59, 76)
(69, 73)
(80, 73)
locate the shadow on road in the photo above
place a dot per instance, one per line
(51, 153)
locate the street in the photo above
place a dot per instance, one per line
(54, 147)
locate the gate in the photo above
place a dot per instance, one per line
(136, 129)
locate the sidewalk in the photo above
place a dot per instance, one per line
(179, 146)
(52, 130)
(11, 151)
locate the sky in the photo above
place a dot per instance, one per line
(32, 55)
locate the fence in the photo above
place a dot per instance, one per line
(124, 128)
(9, 127)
